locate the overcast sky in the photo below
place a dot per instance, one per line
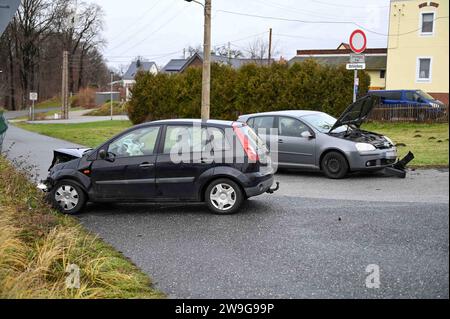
(159, 29)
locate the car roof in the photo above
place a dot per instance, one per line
(189, 121)
(381, 91)
(293, 113)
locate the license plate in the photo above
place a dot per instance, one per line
(391, 154)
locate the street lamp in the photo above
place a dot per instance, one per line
(206, 81)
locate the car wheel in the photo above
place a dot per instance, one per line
(335, 165)
(224, 197)
(68, 198)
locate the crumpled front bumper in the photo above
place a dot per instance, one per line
(399, 168)
(45, 185)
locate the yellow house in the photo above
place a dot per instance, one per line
(418, 47)
(375, 61)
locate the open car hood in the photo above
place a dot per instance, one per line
(63, 155)
(357, 112)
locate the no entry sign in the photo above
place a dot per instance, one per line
(358, 41)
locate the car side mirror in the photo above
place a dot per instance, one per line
(103, 154)
(307, 134)
(106, 156)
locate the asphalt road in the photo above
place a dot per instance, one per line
(34, 149)
(312, 239)
(14, 114)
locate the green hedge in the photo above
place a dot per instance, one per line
(251, 89)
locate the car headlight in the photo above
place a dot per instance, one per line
(365, 147)
(435, 105)
(389, 140)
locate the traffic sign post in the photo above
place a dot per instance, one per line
(33, 98)
(356, 66)
(358, 44)
(357, 58)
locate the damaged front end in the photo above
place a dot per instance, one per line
(64, 155)
(61, 156)
(399, 168)
(379, 151)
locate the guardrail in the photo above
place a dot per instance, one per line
(409, 113)
(3, 128)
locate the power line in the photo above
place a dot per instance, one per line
(301, 37)
(144, 15)
(348, 6)
(321, 22)
(155, 31)
(241, 39)
(123, 58)
(300, 11)
(143, 28)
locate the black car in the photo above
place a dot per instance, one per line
(217, 162)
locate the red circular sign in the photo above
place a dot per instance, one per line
(358, 41)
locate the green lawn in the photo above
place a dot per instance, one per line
(428, 142)
(88, 134)
(53, 102)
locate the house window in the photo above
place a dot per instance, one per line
(427, 26)
(382, 74)
(423, 69)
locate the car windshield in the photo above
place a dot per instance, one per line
(425, 95)
(323, 122)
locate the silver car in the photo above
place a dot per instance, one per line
(317, 141)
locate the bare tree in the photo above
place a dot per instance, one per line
(259, 49)
(31, 49)
(82, 25)
(34, 19)
(228, 52)
(191, 51)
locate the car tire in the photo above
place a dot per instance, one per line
(68, 198)
(224, 197)
(335, 165)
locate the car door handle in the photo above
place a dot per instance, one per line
(280, 141)
(146, 165)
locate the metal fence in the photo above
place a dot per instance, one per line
(3, 128)
(409, 113)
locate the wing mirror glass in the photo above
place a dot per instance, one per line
(307, 134)
(103, 154)
(106, 156)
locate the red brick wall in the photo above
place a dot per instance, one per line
(443, 97)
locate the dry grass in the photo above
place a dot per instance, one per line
(84, 98)
(38, 245)
(105, 109)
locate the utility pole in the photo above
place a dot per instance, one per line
(355, 86)
(112, 97)
(270, 46)
(206, 77)
(65, 87)
(206, 87)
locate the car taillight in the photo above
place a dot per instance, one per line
(243, 138)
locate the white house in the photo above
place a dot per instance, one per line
(128, 80)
